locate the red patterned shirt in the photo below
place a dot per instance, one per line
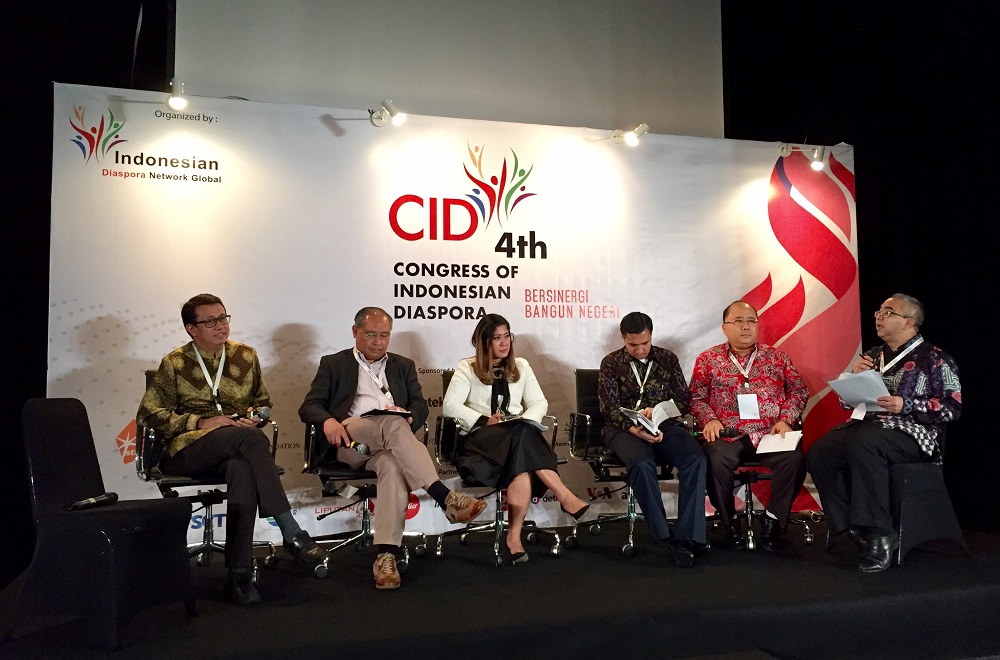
(716, 381)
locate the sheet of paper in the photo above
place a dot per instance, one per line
(773, 442)
(863, 387)
(663, 411)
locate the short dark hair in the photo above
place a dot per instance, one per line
(189, 313)
(635, 323)
(359, 318)
(725, 312)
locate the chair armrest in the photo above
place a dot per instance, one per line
(554, 426)
(579, 436)
(446, 440)
(308, 448)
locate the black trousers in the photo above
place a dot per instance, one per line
(788, 472)
(679, 449)
(850, 467)
(242, 455)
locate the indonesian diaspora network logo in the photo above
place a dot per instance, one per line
(98, 137)
(126, 442)
(502, 191)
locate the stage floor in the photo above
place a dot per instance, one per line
(590, 602)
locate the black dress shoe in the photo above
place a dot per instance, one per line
(879, 555)
(680, 552)
(240, 588)
(700, 549)
(770, 534)
(732, 539)
(859, 537)
(304, 550)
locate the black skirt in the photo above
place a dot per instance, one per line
(494, 455)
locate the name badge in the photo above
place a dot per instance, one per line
(749, 408)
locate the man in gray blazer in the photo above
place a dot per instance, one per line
(356, 398)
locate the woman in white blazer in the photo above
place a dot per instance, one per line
(486, 391)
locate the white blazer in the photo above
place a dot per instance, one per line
(467, 398)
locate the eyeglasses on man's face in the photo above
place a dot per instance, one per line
(384, 336)
(886, 313)
(212, 320)
(739, 323)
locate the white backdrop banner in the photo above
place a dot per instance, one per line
(298, 216)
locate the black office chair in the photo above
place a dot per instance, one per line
(104, 563)
(586, 444)
(921, 506)
(747, 474)
(330, 475)
(149, 449)
(448, 440)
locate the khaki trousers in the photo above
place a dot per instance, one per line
(401, 462)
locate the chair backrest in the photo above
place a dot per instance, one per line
(446, 435)
(588, 422)
(148, 444)
(62, 459)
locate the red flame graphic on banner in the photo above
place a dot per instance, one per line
(812, 217)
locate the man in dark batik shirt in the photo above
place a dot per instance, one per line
(639, 376)
(850, 463)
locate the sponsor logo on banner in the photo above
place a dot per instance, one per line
(412, 506)
(198, 520)
(97, 140)
(126, 442)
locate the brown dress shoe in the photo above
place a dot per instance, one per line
(386, 575)
(462, 508)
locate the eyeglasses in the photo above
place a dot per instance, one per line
(741, 322)
(886, 313)
(380, 335)
(509, 336)
(210, 322)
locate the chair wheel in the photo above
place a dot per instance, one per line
(810, 538)
(595, 530)
(499, 561)
(628, 550)
(571, 541)
(532, 538)
(203, 558)
(402, 566)
(556, 550)
(270, 561)
(420, 550)
(321, 571)
(751, 544)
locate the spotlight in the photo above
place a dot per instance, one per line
(818, 154)
(631, 138)
(387, 112)
(176, 100)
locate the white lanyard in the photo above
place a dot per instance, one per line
(218, 374)
(883, 367)
(642, 382)
(745, 372)
(378, 381)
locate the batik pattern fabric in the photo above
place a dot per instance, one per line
(617, 386)
(927, 380)
(716, 382)
(180, 395)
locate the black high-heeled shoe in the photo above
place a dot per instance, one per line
(518, 557)
(579, 514)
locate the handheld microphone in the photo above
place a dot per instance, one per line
(359, 447)
(260, 415)
(91, 502)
